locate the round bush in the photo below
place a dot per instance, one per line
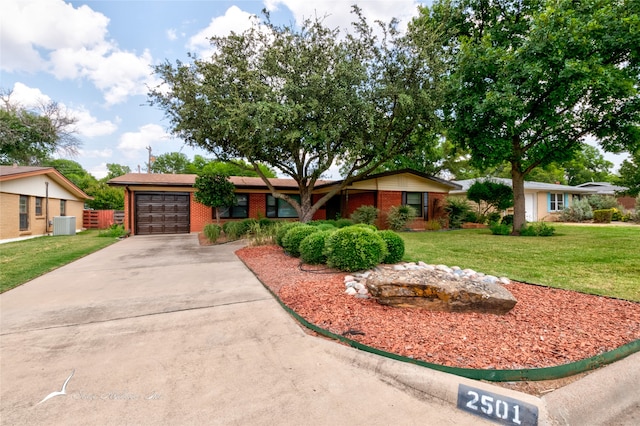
(395, 246)
(354, 248)
(507, 220)
(342, 223)
(294, 236)
(283, 228)
(326, 227)
(366, 226)
(312, 248)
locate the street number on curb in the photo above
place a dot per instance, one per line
(499, 408)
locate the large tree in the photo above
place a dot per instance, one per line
(531, 79)
(630, 174)
(31, 136)
(303, 99)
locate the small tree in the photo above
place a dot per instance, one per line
(215, 190)
(493, 194)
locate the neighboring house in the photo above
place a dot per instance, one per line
(164, 204)
(605, 188)
(30, 197)
(543, 201)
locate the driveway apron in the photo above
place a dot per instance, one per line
(160, 330)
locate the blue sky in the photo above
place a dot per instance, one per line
(94, 58)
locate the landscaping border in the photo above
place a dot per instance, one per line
(518, 375)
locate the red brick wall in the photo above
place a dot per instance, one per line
(200, 214)
(361, 199)
(257, 205)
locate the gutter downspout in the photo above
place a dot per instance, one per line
(46, 207)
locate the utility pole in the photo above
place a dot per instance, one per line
(150, 160)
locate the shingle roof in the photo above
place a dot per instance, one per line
(8, 173)
(190, 179)
(535, 186)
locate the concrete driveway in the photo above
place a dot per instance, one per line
(158, 330)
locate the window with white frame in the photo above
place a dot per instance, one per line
(556, 202)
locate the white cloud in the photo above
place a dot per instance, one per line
(234, 20)
(338, 13)
(28, 26)
(28, 97)
(96, 153)
(77, 47)
(132, 143)
(89, 126)
(172, 34)
(99, 171)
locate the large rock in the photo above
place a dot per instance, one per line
(438, 290)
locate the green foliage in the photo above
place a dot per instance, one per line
(474, 217)
(602, 202)
(630, 174)
(263, 232)
(500, 229)
(341, 223)
(366, 226)
(215, 191)
(507, 220)
(105, 197)
(353, 248)
(212, 231)
(114, 231)
(170, 163)
(528, 79)
(325, 227)
(283, 228)
(294, 236)
(365, 214)
(115, 170)
(457, 209)
(616, 215)
(310, 95)
(603, 216)
(235, 167)
(399, 217)
(433, 225)
(493, 194)
(395, 246)
(312, 248)
(579, 211)
(235, 230)
(493, 217)
(538, 229)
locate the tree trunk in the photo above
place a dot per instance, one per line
(217, 215)
(519, 206)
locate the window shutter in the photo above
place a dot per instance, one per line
(425, 204)
(548, 201)
(404, 198)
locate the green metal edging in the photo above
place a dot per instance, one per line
(526, 374)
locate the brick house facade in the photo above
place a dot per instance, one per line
(154, 201)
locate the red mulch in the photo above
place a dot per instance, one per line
(547, 327)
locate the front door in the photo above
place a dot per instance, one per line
(530, 208)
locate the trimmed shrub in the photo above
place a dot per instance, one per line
(212, 231)
(507, 220)
(399, 216)
(283, 228)
(602, 202)
(395, 246)
(342, 223)
(493, 217)
(319, 222)
(326, 227)
(500, 229)
(603, 216)
(353, 249)
(294, 236)
(539, 229)
(312, 248)
(366, 226)
(365, 214)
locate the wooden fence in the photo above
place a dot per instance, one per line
(101, 219)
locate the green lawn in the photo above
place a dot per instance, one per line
(602, 260)
(25, 260)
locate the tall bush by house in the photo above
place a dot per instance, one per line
(579, 211)
(399, 217)
(365, 214)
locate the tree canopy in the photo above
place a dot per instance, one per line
(530, 80)
(29, 137)
(214, 190)
(302, 100)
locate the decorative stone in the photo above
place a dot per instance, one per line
(351, 291)
(435, 291)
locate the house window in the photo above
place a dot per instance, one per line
(417, 200)
(239, 211)
(24, 213)
(38, 206)
(63, 207)
(277, 207)
(556, 202)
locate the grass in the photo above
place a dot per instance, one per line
(22, 261)
(603, 260)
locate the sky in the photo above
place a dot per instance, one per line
(95, 58)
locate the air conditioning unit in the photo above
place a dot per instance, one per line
(64, 225)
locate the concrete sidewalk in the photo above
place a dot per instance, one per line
(158, 330)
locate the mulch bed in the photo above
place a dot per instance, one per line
(547, 327)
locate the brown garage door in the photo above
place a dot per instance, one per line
(162, 213)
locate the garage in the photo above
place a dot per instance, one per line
(162, 213)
